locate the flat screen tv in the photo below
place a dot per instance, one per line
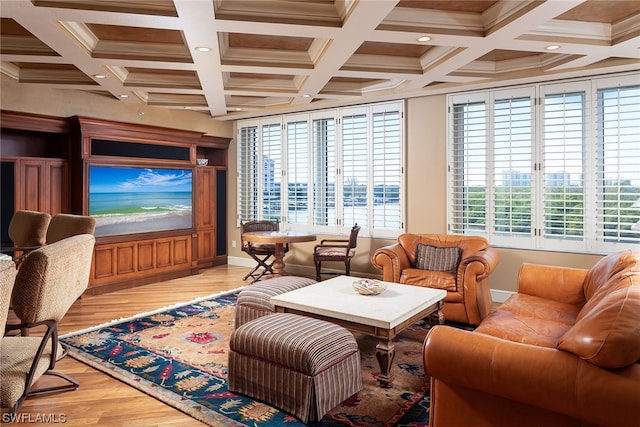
(128, 200)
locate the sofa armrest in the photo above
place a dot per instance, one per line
(391, 260)
(560, 284)
(473, 273)
(542, 377)
(486, 260)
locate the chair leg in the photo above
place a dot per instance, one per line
(261, 263)
(318, 266)
(347, 267)
(266, 269)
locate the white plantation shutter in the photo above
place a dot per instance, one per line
(468, 166)
(386, 169)
(248, 173)
(561, 173)
(564, 134)
(271, 171)
(298, 172)
(512, 165)
(355, 138)
(618, 181)
(324, 172)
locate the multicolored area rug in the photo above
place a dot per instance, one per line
(179, 356)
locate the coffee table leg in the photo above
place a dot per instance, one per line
(437, 318)
(278, 265)
(385, 353)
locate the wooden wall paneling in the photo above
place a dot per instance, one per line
(126, 258)
(104, 262)
(146, 255)
(163, 253)
(206, 245)
(182, 251)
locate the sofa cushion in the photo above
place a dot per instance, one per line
(606, 268)
(528, 306)
(432, 279)
(445, 258)
(530, 330)
(607, 332)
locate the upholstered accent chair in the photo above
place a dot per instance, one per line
(262, 253)
(28, 231)
(65, 225)
(336, 250)
(50, 280)
(461, 265)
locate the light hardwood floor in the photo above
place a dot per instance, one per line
(102, 400)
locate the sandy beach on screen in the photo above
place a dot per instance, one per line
(113, 225)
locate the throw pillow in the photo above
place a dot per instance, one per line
(607, 332)
(438, 258)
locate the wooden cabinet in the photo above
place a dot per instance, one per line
(209, 207)
(42, 185)
(205, 208)
(48, 162)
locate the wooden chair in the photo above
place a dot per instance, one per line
(50, 280)
(336, 250)
(260, 252)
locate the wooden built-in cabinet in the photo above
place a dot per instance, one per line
(48, 160)
(40, 184)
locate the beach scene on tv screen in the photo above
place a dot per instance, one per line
(126, 200)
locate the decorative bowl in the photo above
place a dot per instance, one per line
(202, 162)
(369, 286)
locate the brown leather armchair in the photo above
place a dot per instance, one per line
(468, 297)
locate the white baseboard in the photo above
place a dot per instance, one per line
(497, 295)
(500, 296)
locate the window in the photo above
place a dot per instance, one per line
(341, 167)
(553, 166)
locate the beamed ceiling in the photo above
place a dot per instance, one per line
(276, 56)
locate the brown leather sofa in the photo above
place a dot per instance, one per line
(563, 351)
(468, 297)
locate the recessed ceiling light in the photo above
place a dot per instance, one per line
(203, 49)
(99, 76)
(239, 109)
(424, 39)
(187, 108)
(124, 95)
(552, 47)
(306, 95)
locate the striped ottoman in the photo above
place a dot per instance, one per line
(303, 366)
(255, 300)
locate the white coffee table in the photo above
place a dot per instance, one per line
(382, 316)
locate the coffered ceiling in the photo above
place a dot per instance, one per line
(242, 58)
